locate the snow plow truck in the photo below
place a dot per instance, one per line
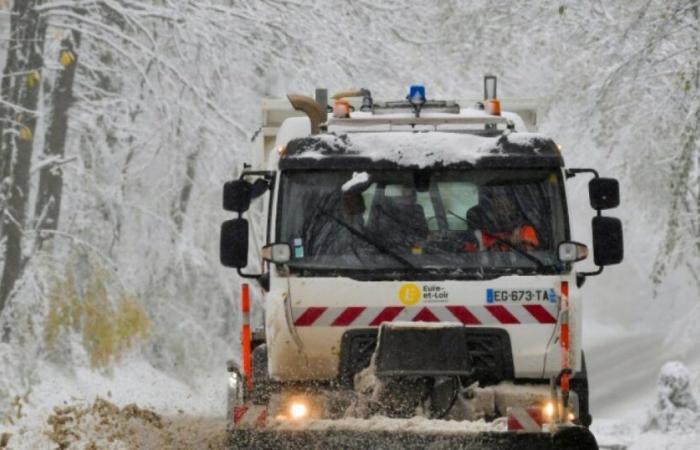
(417, 284)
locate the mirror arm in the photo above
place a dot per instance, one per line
(264, 173)
(570, 173)
(248, 275)
(264, 281)
(590, 274)
(581, 276)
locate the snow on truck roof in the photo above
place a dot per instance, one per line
(428, 149)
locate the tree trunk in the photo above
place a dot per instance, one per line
(179, 207)
(48, 202)
(25, 51)
(7, 116)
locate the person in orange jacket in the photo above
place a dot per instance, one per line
(495, 234)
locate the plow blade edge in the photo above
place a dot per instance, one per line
(575, 438)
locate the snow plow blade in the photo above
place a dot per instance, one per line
(575, 438)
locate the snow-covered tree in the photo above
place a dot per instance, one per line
(140, 110)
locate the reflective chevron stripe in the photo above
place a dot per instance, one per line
(250, 416)
(356, 316)
(524, 419)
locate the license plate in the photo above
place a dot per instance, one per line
(520, 296)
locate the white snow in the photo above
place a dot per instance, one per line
(419, 149)
(203, 92)
(516, 119)
(524, 138)
(357, 179)
(382, 423)
(133, 381)
(676, 409)
(625, 412)
(474, 112)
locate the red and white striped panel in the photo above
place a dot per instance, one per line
(361, 316)
(249, 416)
(524, 419)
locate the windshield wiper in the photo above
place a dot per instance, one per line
(320, 210)
(370, 241)
(540, 265)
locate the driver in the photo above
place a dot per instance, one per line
(500, 226)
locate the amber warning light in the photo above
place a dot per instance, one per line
(491, 103)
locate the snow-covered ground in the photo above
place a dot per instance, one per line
(198, 407)
(623, 366)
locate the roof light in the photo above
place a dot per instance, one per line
(416, 93)
(341, 108)
(492, 107)
(416, 97)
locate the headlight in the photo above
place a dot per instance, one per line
(297, 406)
(298, 410)
(233, 381)
(548, 411)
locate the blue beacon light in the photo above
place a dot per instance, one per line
(416, 93)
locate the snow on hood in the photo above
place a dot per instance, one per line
(420, 149)
(524, 138)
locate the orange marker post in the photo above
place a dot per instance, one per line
(564, 339)
(246, 335)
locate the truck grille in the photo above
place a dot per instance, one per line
(488, 348)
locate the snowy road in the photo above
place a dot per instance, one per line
(623, 370)
(622, 373)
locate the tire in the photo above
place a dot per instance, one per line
(574, 438)
(579, 384)
(261, 380)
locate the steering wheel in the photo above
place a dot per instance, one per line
(427, 220)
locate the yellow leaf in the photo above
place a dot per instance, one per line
(67, 58)
(33, 78)
(25, 134)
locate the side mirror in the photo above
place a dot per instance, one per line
(604, 193)
(279, 253)
(237, 195)
(607, 241)
(570, 252)
(233, 247)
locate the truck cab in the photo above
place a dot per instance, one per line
(395, 217)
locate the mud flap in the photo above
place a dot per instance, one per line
(573, 438)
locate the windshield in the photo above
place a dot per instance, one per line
(455, 221)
